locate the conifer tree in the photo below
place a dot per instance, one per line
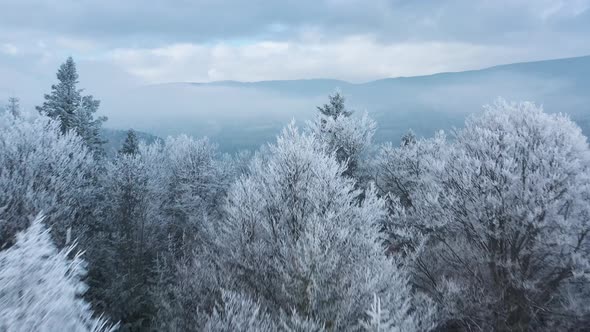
(75, 112)
(40, 287)
(345, 136)
(131, 144)
(335, 107)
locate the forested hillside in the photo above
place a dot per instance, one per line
(256, 111)
(485, 228)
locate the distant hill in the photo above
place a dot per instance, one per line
(247, 114)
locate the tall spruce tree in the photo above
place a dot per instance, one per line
(131, 144)
(75, 112)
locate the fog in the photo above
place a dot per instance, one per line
(240, 115)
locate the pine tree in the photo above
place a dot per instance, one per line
(335, 107)
(74, 111)
(131, 144)
(65, 98)
(40, 288)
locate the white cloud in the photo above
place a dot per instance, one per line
(353, 58)
(9, 49)
(76, 44)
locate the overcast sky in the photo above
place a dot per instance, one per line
(141, 42)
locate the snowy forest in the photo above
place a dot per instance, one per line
(484, 228)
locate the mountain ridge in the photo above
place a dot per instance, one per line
(245, 115)
(340, 81)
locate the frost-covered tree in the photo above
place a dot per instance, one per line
(43, 170)
(501, 239)
(158, 200)
(65, 99)
(410, 171)
(295, 236)
(185, 291)
(346, 136)
(409, 138)
(195, 185)
(74, 112)
(239, 313)
(40, 287)
(195, 182)
(88, 127)
(13, 107)
(335, 108)
(133, 211)
(378, 318)
(131, 144)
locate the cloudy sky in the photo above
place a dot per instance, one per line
(142, 42)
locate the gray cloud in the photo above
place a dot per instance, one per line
(126, 43)
(156, 22)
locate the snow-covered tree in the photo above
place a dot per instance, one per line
(410, 171)
(409, 138)
(159, 198)
(346, 136)
(501, 239)
(73, 111)
(131, 144)
(13, 107)
(185, 291)
(132, 208)
(335, 108)
(43, 170)
(88, 127)
(293, 322)
(65, 99)
(295, 236)
(40, 287)
(195, 184)
(239, 313)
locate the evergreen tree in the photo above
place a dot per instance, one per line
(13, 107)
(73, 111)
(126, 290)
(345, 136)
(88, 127)
(335, 107)
(131, 144)
(65, 98)
(40, 287)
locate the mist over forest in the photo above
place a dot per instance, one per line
(316, 166)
